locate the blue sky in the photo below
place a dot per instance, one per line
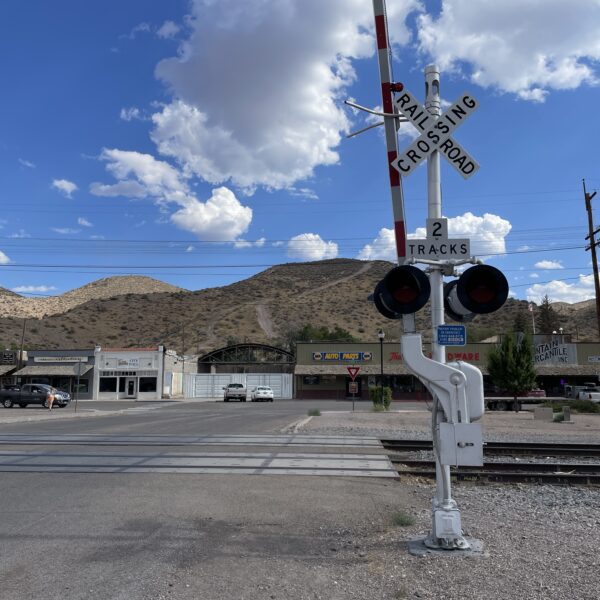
(200, 142)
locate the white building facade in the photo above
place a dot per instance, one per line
(129, 373)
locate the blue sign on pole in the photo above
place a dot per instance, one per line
(451, 335)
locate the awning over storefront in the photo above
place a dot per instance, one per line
(563, 370)
(4, 369)
(60, 370)
(343, 370)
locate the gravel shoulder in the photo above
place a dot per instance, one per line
(497, 426)
(540, 541)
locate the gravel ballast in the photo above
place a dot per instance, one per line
(540, 541)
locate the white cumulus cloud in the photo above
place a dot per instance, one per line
(65, 230)
(130, 114)
(383, 247)
(84, 222)
(548, 264)
(4, 260)
(259, 243)
(310, 246)
(273, 114)
(168, 30)
(526, 47)
(221, 218)
(561, 291)
(65, 186)
(33, 288)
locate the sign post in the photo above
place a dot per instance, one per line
(77, 385)
(353, 387)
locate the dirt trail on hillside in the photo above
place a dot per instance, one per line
(264, 320)
(363, 269)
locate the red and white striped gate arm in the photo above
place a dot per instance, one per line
(391, 138)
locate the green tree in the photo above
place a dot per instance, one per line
(510, 364)
(547, 320)
(312, 333)
(521, 323)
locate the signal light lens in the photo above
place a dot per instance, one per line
(482, 289)
(404, 290)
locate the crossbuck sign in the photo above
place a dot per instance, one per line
(436, 134)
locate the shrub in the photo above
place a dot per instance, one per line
(403, 519)
(558, 417)
(580, 406)
(375, 397)
(314, 412)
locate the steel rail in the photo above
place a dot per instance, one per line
(516, 448)
(547, 473)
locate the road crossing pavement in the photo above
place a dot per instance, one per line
(85, 458)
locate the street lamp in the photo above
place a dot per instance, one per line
(381, 336)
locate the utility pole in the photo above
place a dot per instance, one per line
(591, 236)
(22, 342)
(182, 359)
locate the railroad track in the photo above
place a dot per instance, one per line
(507, 472)
(512, 448)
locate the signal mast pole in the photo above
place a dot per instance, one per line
(443, 496)
(390, 122)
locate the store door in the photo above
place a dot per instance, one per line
(130, 387)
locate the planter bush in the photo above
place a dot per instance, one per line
(375, 396)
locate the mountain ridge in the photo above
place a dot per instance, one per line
(263, 308)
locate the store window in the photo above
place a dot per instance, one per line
(147, 384)
(108, 384)
(82, 387)
(122, 385)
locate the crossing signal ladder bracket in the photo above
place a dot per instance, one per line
(459, 389)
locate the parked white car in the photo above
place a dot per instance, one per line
(592, 395)
(262, 393)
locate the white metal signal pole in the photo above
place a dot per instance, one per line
(443, 496)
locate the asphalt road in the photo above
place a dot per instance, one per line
(182, 535)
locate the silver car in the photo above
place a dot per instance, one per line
(262, 393)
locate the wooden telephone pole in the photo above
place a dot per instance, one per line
(591, 236)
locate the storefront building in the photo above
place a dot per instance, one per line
(9, 363)
(321, 370)
(129, 373)
(68, 370)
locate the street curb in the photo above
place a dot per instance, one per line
(47, 417)
(295, 425)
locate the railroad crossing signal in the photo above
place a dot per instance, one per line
(480, 290)
(436, 134)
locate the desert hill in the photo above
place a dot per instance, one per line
(263, 308)
(14, 305)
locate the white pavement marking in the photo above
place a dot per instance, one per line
(198, 440)
(275, 463)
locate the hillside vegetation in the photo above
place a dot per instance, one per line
(132, 311)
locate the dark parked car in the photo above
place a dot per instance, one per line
(33, 393)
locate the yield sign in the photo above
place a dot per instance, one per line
(436, 134)
(353, 372)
